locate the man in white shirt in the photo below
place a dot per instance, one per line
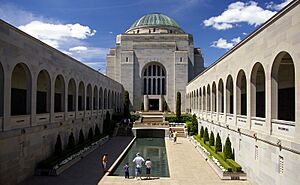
(148, 164)
(138, 160)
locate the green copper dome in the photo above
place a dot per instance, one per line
(155, 19)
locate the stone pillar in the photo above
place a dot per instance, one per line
(146, 103)
(161, 102)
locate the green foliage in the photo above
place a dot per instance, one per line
(233, 154)
(165, 106)
(218, 143)
(201, 132)
(97, 131)
(58, 146)
(126, 105)
(81, 137)
(218, 157)
(90, 135)
(211, 139)
(183, 119)
(227, 149)
(71, 142)
(178, 105)
(142, 106)
(234, 165)
(192, 127)
(205, 136)
(134, 117)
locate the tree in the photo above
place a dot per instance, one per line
(81, 137)
(178, 105)
(227, 149)
(201, 132)
(90, 135)
(126, 105)
(71, 142)
(194, 125)
(97, 131)
(218, 143)
(205, 136)
(211, 139)
(58, 146)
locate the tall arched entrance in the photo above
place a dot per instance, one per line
(154, 86)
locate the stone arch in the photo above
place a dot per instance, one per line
(105, 98)
(89, 97)
(204, 99)
(59, 94)
(208, 98)
(21, 81)
(95, 98)
(221, 96)
(154, 79)
(283, 87)
(241, 96)
(81, 96)
(1, 90)
(258, 88)
(71, 95)
(197, 99)
(214, 97)
(200, 99)
(229, 95)
(101, 98)
(43, 93)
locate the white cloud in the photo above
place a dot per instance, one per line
(274, 6)
(54, 34)
(239, 12)
(78, 48)
(244, 33)
(224, 44)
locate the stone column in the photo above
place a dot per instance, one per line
(146, 103)
(268, 105)
(161, 102)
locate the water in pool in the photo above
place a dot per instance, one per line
(153, 148)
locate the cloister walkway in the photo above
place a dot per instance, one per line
(186, 165)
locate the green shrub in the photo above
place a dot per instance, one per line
(221, 154)
(134, 117)
(90, 134)
(58, 146)
(178, 105)
(183, 119)
(234, 165)
(201, 132)
(205, 136)
(126, 105)
(218, 143)
(227, 149)
(218, 157)
(81, 137)
(71, 142)
(211, 139)
(192, 127)
(233, 154)
(97, 131)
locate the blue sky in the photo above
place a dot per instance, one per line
(86, 29)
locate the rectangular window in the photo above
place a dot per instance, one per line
(127, 59)
(180, 59)
(281, 165)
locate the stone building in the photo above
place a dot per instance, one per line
(153, 60)
(251, 95)
(43, 93)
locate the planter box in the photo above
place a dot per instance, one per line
(62, 168)
(222, 175)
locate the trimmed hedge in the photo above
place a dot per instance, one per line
(173, 119)
(235, 166)
(210, 150)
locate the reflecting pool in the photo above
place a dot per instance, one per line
(153, 148)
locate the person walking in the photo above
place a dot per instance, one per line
(126, 170)
(104, 160)
(175, 136)
(148, 164)
(138, 160)
(170, 133)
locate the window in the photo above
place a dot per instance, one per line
(154, 30)
(180, 59)
(126, 59)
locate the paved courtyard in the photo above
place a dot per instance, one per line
(186, 165)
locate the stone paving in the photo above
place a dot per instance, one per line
(87, 171)
(186, 166)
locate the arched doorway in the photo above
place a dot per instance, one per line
(241, 97)
(229, 95)
(71, 95)
(258, 95)
(43, 93)
(59, 94)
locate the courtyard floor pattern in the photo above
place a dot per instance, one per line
(87, 171)
(186, 165)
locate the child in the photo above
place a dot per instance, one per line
(148, 164)
(126, 170)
